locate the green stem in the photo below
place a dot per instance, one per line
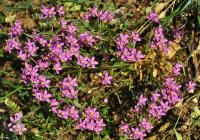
(9, 74)
(9, 94)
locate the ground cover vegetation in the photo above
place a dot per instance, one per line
(99, 69)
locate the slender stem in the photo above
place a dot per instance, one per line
(9, 94)
(9, 74)
(28, 35)
(146, 23)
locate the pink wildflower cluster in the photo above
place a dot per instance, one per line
(13, 43)
(129, 54)
(16, 29)
(67, 112)
(159, 41)
(68, 88)
(140, 104)
(160, 102)
(164, 100)
(136, 132)
(177, 69)
(24, 51)
(15, 124)
(28, 51)
(69, 28)
(178, 33)
(87, 39)
(49, 12)
(44, 56)
(40, 55)
(86, 62)
(104, 16)
(153, 16)
(91, 121)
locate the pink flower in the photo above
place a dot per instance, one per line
(176, 69)
(123, 39)
(71, 41)
(135, 37)
(70, 93)
(140, 103)
(15, 124)
(12, 44)
(153, 17)
(159, 41)
(47, 12)
(138, 134)
(155, 96)
(178, 33)
(65, 56)
(83, 61)
(31, 48)
(42, 65)
(42, 95)
(63, 23)
(124, 128)
(57, 67)
(139, 56)
(69, 82)
(22, 55)
(106, 79)
(16, 117)
(53, 102)
(18, 128)
(142, 100)
(16, 29)
(71, 29)
(43, 81)
(87, 39)
(128, 54)
(61, 11)
(104, 16)
(46, 96)
(73, 112)
(92, 121)
(145, 125)
(191, 86)
(92, 62)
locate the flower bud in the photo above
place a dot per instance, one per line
(162, 15)
(159, 7)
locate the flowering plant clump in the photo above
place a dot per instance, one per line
(15, 124)
(76, 67)
(92, 121)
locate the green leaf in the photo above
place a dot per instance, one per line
(196, 112)
(1, 1)
(180, 9)
(198, 5)
(76, 103)
(76, 7)
(68, 4)
(12, 105)
(178, 135)
(1, 53)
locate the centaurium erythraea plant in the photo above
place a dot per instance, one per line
(54, 53)
(15, 124)
(50, 60)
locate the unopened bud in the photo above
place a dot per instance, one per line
(159, 7)
(162, 15)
